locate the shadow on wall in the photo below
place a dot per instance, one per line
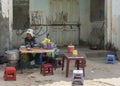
(96, 37)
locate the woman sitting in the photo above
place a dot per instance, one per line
(31, 41)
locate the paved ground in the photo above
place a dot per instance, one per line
(98, 73)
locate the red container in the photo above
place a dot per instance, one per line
(71, 48)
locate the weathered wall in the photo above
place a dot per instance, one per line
(64, 12)
(4, 28)
(82, 13)
(4, 34)
(36, 5)
(108, 21)
(56, 11)
(18, 33)
(112, 31)
(84, 19)
(49, 11)
(97, 10)
(20, 14)
(20, 21)
(116, 23)
(39, 10)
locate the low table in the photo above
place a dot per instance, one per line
(35, 50)
(32, 50)
(70, 56)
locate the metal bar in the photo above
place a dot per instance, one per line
(55, 24)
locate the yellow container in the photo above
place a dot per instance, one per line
(75, 52)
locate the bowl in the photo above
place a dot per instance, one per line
(28, 48)
(22, 46)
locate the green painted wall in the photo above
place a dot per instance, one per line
(84, 19)
(39, 5)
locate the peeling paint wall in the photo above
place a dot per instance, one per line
(4, 34)
(112, 31)
(19, 18)
(4, 27)
(108, 21)
(56, 12)
(39, 10)
(5, 7)
(78, 12)
(64, 12)
(20, 14)
(18, 34)
(85, 19)
(116, 23)
(60, 11)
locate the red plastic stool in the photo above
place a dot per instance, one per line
(46, 69)
(10, 73)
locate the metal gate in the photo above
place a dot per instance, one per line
(64, 36)
(64, 12)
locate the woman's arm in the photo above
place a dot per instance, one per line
(25, 41)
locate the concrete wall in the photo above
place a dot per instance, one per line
(112, 22)
(116, 23)
(19, 17)
(108, 21)
(39, 10)
(85, 19)
(18, 34)
(13, 38)
(64, 12)
(4, 34)
(36, 5)
(4, 27)
(43, 7)
(20, 14)
(53, 10)
(97, 10)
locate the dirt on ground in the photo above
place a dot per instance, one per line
(97, 73)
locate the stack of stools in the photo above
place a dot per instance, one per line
(10, 73)
(46, 69)
(78, 76)
(110, 58)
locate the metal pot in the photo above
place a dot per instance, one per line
(12, 55)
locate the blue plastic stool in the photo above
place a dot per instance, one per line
(110, 58)
(78, 76)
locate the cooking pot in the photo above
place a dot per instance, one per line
(12, 54)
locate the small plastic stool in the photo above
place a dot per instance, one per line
(78, 76)
(10, 73)
(110, 58)
(46, 69)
